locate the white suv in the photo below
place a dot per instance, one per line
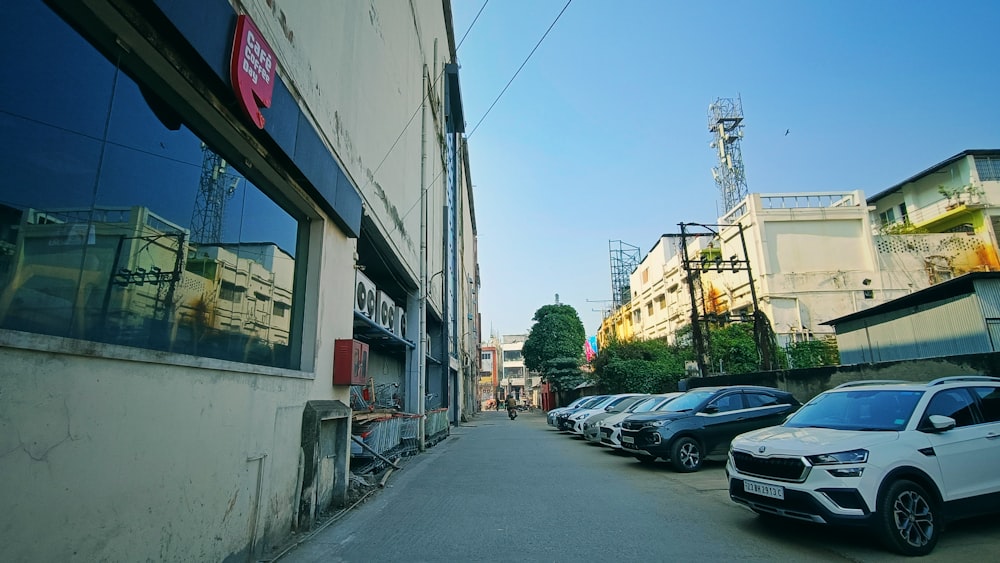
(904, 458)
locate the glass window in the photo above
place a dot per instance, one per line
(754, 400)
(730, 402)
(988, 168)
(954, 403)
(989, 402)
(117, 223)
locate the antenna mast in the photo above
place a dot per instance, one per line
(725, 121)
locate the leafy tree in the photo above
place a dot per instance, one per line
(648, 366)
(814, 353)
(734, 346)
(563, 374)
(557, 333)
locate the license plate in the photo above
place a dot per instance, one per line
(769, 491)
(628, 440)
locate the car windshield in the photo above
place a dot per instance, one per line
(860, 409)
(688, 401)
(604, 401)
(593, 402)
(664, 404)
(645, 405)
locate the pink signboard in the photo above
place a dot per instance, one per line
(252, 69)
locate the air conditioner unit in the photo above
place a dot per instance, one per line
(386, 309)
(364, 295)
(399, 328)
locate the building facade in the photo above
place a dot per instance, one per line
(201, 198)
(806, 258)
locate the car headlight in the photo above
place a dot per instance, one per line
(580, 417)
(659, 423)
(853, 456)
(616, 425)
(848, 472)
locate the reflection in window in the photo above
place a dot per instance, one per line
(117, 228)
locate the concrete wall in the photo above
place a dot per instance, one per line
(807, 383)
(358, 67)
(130, 456)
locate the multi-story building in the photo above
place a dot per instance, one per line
(201, 201)
(941, 222)
(513, 372)
(813, 257)
(489, 371)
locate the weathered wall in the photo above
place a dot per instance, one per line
(358, 67)
(807, 383)
(115, 460)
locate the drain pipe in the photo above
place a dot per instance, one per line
(422, 312)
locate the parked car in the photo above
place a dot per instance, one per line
(550, 416)
(609, 430)
(702, 422)
(618, 402)
(904, 459)
(562, 419)
(591, 426)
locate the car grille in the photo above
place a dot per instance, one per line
(632, 425)
(780, 468)
(605, 432)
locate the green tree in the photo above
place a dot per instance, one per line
(557, 333)
(648, 366)
(563, 374)
(734, 346)
(814, 353)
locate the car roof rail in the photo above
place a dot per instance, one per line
(957, 378)
(870, 382)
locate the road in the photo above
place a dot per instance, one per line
(502, 490)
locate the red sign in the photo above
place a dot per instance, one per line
(252, 69)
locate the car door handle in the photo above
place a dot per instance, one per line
(992, 436)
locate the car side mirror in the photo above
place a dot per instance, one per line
(710, 409)
(940, 423)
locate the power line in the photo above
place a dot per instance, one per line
(472, 24)
(408, 211)
(568, 2)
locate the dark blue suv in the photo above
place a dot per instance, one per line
(702, 422)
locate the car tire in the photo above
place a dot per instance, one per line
(645, 459)
(906, 519)
(685, 455)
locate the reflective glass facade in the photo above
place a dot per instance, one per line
(118, 224)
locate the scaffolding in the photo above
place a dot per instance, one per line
(624, 260)
(725, 121)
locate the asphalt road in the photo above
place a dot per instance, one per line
(502, 490)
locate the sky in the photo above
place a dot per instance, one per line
(603, 134)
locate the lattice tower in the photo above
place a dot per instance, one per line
(214, 190)
(624, 259)
(725, 121)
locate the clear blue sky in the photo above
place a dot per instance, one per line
(603, 135)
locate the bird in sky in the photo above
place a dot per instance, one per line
(787, 131)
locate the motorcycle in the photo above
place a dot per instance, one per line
(512, 413)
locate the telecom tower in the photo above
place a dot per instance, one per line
(624, 259)
(214, 190)
(725, 121)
